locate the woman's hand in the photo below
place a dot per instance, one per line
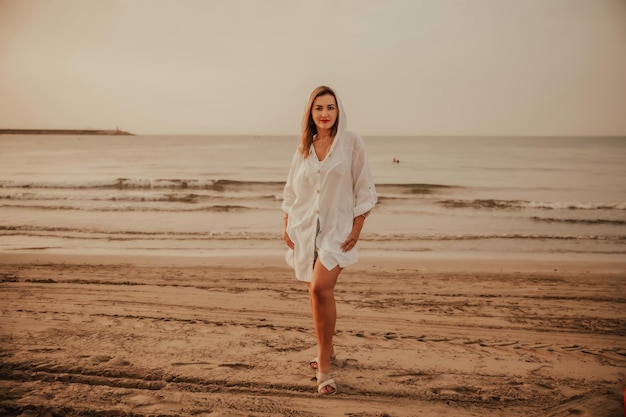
(353, 237)
(350, 242)
(286, 238)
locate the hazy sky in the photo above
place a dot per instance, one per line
(411, 67)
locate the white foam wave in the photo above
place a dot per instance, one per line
(121, 183)
(522, 204)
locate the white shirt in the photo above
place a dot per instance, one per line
(335, 191)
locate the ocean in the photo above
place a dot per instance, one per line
(474, 197)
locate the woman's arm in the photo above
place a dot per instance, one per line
(363, 184)
(353, 237)
(289, 196)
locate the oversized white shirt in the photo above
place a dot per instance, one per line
(333, 191)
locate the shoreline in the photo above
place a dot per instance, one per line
(370, 262)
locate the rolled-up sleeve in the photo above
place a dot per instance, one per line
(364, 190)
(289, 195)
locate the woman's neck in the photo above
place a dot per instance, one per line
(323, 135)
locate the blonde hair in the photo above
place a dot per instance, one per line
(308, 125)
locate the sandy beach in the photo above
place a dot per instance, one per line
(231, 336)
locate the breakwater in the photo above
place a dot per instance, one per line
(63, 132)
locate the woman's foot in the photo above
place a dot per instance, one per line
(326, 384)
(313, 363)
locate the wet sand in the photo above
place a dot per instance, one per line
(231, 336)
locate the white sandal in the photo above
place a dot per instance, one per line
(313, 362)
(326, 380)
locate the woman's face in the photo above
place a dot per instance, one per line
(324, 112)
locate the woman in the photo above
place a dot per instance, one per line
(328, 194)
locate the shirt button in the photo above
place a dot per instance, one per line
(318, 191)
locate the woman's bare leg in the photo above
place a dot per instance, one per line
(322, 295)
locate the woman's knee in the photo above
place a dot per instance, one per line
(320, 291)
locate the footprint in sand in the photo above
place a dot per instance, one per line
(149, 404)
(106, 321)
(100, 359)
(119, 362)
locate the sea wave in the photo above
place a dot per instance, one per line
(580, 221)
(524, 204)
(138, 208)
(215, 194)
(73, 232)
(411, 189)
(200, 184)
(489, 236)
(139, 196)
(145, 183)
(96, 233)
(174, 190)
